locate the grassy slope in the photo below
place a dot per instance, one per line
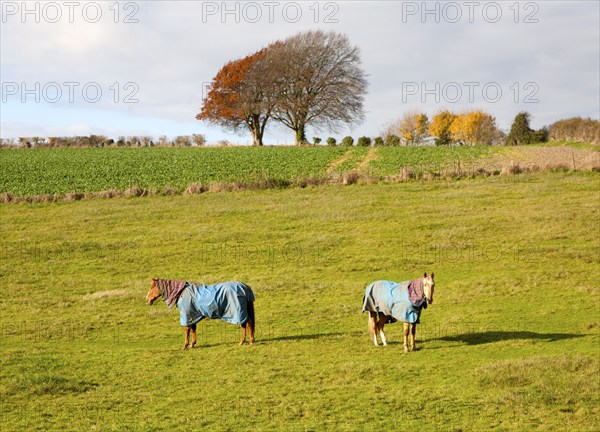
(511, 341)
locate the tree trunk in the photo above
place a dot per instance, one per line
(300, 135)
(256, 138)
(256, 131)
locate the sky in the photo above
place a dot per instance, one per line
(142, 67)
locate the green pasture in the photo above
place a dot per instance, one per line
(511, 342)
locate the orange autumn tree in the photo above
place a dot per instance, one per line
(239, 96)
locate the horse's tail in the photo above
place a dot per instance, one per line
(372, 323)
(251, 316)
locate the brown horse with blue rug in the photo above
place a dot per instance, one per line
(388, 301)
(230, 301)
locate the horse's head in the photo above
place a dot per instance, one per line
(428, 286)
(153, 293)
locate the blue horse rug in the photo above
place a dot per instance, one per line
(227, 301)
(401, 301)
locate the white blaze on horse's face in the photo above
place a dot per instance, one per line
(428, 287)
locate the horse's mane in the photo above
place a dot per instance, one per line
(170, 290)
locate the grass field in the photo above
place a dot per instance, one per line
(510, 343)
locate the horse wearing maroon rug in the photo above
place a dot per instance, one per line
(388, 301)
(230, 301)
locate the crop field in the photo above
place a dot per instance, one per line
(44, 171)
(509, 344)
(50, 171)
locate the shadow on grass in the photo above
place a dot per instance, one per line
(300, 337)
(480, 338)
(262, 339)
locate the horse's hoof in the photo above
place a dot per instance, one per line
(405, 350)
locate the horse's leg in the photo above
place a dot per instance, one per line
(382, 320)
(406, 331)
(243, 338)
(187, 338)
(413, 332)
(373, 327)
(193, 336)
(250, 326)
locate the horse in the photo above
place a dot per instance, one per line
(230, 301)
(388, 301)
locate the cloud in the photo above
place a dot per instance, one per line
(177, 47)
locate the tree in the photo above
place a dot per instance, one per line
(133, 141)
(163, 141)
(540, 135)
(520, 132)
(347, 141)
(182, 141)
(413, 127)
(576, 129)
(475, 127)
(199, 140)
(319, 82)
(364, 141)
(241, 94)
(25, 142)
(7, 142)
(392, 140)
(146, 141)
(440, 127)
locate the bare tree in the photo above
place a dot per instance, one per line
(182, 141)
(145, 141)
(318, 81)
(199, 140)
(163, 141)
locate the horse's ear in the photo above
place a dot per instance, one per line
(425, 275)
(432, 273)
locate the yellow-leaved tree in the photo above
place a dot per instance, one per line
(474, 127)
(413, 127)
(440, 127)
